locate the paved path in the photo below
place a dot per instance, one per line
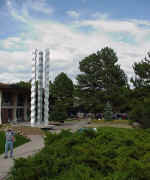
(25, 150)
(72, 125)
(75, 125)
(33, 146)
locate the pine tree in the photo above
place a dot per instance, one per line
(100, 78)
(108, 112)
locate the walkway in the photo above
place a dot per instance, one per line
(25, 150)
(71, 125)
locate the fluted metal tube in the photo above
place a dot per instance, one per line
(46, 87)
(40, 87)
(33, 88)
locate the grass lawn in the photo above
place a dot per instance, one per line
(19, 140)
(113, 123)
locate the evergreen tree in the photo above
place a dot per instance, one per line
(100, 80)
(108, 112)
(100, 71)
(142, 72)
(61, 97)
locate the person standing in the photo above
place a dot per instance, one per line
(9, 143)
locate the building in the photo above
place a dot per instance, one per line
(14, 103)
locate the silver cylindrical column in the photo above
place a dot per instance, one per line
(33, 88)
(40, 87)
(46, 87)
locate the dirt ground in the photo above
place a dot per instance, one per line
(24, 130)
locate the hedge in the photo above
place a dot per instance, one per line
(106, 154)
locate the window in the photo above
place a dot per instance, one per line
(7, 99)
(21, 100)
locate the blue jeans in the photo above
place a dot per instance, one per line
(9, 145)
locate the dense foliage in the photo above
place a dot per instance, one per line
(142, 72)
(101, 71)
(141, 113)
(19, 140)
(101, 79)
(107, 154)
(58, 116)
(22, 84)
(140, 95)
(61, 92)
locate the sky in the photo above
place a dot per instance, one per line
(72, 30)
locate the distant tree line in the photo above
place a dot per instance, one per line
(102, 80)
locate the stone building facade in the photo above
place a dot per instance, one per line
(14, 103)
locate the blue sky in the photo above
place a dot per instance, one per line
(71, 30)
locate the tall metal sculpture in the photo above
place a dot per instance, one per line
(33, 88)
(40, 87)
(46, 94)
(37, 103)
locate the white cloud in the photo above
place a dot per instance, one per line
(15, 66)
(142, 22)
(11, 42)
(100, 15)
(117, 26)
(73, 14)
(68, 45)
(40, 6)
(22, 12)
(14, 12)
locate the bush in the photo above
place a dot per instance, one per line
(58, 116)
(136, 114)
(108, 154)
(141, 113)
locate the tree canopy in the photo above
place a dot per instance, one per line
(101, 78)
(100, 71)
(142, 73)
(61, 92)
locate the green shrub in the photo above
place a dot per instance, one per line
(58, 116)
(136, 114)
(141, 113)
(107, 154)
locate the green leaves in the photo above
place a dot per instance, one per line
(141, 112)
(62, 97)
(142, 72)
(101, 77)
(108, 154)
